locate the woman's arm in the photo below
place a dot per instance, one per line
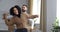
(9, 23)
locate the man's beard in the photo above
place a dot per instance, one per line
(23, 10)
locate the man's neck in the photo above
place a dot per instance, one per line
(23, 12)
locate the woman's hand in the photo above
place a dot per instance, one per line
(5, 15)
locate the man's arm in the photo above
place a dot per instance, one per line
(31, 16)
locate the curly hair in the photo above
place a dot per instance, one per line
(18, 8)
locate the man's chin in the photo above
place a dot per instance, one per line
(23, 11)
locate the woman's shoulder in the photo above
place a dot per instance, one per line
(9, 17)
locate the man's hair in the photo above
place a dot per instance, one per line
(18, 8)
(24, 5)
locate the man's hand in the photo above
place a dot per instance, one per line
(35, 16)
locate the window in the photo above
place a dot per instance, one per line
(58, 11)
(36, 9)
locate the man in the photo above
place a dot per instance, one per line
(24, 11)
(25, 16)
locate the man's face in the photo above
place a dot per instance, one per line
(24, 8)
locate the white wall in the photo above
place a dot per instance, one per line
(5, 5)
(51, 13)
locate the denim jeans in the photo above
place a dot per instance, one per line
(21, 30)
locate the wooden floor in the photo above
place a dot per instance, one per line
(3, 31)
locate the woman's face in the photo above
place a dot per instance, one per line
(15, 11)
